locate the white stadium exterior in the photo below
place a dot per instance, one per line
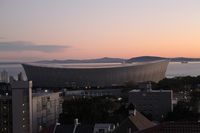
(94, 75)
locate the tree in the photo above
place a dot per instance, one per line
(89, 110)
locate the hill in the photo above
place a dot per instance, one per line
(145, 59)
(114, 60)
(99, 60)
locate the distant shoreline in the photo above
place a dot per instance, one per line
(110, 60)
(10, 63)
(19, 63)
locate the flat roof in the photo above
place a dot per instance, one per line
(39, 94)
(137, 90)
(91, 65)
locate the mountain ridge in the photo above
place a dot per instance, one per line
(121, 60)
(113, 60)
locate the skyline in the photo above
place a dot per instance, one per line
(37, 30)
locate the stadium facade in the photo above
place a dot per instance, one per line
(94, 75)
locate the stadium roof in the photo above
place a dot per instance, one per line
(91, 65)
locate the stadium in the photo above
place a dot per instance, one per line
(94, 75)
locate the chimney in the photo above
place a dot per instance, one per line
(76, 121)
(132, 109)
(132, 112)
(75, 124)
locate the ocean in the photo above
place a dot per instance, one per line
(175, 69)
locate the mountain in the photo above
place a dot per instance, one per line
(184, 59)
(120, 60)
(145, 59)
(155, 58)
(99, 60)
(114, 60)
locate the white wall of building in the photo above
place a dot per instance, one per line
(46, 108)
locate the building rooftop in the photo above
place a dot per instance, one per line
(69, 129)
(138, 122)
(104, 125)
(21, 84)
(149, 90)
(37, 94)
(174, 127)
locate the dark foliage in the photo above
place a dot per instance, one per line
(178, 84)
(92, 110)
(182, 112)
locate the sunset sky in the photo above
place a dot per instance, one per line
(80, 29)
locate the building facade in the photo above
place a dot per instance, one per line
(22, 106)
(153, 103)
(5, 108)
(4, 76)
(22, 111)
(93, 93)
(46, 108)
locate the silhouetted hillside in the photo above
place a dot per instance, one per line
(99, 60)
(115, 60)
(145, 59)
(155, 58)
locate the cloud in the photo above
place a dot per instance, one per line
(19, 46)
